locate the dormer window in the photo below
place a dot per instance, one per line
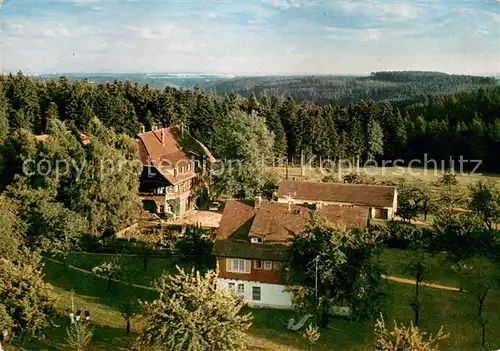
(255, 240)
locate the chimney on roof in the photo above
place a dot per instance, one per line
(290, 201)
(258, 201)
(143, 129)
(163, 136)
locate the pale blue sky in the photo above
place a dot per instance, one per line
(244, 37)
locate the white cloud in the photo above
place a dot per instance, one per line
(285, 4)
(398, 9)
(158, 31)
(141, 43)
(92, 4)
(280, 3)
(57, 33)
(494, 16)
(209, 14)
(483, 31)
(373, 34)
(84, 2)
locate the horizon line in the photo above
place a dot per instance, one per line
(221, 74)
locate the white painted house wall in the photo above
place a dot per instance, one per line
(391, 211)
(271, 295)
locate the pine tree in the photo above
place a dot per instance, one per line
(375, 140)
(4, 119)
(203, 120)
(252, 103)
(356, 140)
(332, 138)
(268, 110)
(288, 113)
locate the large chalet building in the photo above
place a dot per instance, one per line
(382, 201)
(252, 240)
(174, 164)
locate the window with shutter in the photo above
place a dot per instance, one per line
(237, 265)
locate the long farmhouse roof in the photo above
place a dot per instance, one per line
(355, 194)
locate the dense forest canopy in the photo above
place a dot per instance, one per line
(464, 123)
(343, 90)
(325, 89)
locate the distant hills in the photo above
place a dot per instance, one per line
(337, 89)
(155, 80)
(393, 86)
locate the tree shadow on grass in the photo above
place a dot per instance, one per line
(341, 334)
(104, 338)
(90, 285)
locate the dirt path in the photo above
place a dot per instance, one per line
(100, 276)
(412, 282)
(390, 277)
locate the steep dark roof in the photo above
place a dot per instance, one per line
(274, 223)
(355, 194)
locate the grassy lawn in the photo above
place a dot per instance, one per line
(396, 261)
(133, 266)
(389, 173)
(454, 310)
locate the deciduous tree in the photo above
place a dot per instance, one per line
(79, 336)
(243, 145)
(193, 313)
(478, 276)
(311, 335)
(403, 338)
(25, 297)
(419, 268)
(195, 248)
(485, 201)
(337, 258)
(111, 270)
(12, 229)
(128, 308)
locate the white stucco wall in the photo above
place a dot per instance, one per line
(271, 295)
(390, 210)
